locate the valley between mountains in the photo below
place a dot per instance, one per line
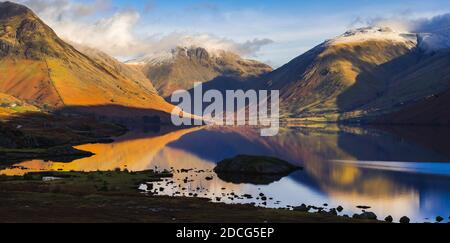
(369, 75)
(56, 94)
(366, 75)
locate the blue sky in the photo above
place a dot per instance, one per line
(273, 31)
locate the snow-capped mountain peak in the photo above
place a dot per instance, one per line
(427, 41)
(168, 56)
(374, 33)
(155, 58)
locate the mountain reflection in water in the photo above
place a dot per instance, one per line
(396, 171)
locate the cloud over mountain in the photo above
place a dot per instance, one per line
(209, 42)
(437, 23)
(413, 25)
(294, 28)
(433, 33)
(116, 31)
(66, 8)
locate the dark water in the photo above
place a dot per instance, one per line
(396, 171)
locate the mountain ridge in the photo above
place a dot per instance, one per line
(358, 76)
(181, 67)
(40, 68)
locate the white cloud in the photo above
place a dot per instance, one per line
(114, 35)
(128, 33)
(434, 24)
(210, 42)
(434, 32)
(117, 34)
(406, 23)
(79, 23)
(57, 10)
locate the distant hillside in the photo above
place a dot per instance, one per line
(429, 80)
(183, 66)
(417, 94)
(117, 67)
(360, 76)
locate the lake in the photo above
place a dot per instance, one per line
(398, 171)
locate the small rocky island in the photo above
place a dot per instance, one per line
(259, 170)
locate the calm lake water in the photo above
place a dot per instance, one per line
(396, 171)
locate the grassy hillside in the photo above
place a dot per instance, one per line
(41, 69)
(10, 105)
(190, 65)
(332, 79)
(118, 68)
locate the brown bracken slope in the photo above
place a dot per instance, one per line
(186, 66)
(381, 80)
(43, 70)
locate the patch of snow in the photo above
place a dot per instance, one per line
(431, 41)
(158, 58)
(374, 33)
(166, 57)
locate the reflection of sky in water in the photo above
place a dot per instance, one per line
(415, 167)
(346, 166)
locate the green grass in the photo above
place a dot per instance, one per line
(24, 151)
(94, 182)
(105, 197)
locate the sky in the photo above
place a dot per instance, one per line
(266, 30)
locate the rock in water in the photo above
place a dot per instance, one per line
(404, 220)
(389, 219)
(302, 208)
(333, 212)
(255, 170)
(255, 165)
(366, 215)
(363, 207)
(439, 219)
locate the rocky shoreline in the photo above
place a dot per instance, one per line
(114, 197)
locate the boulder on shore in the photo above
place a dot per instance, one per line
(366, 215)
(302, 208)
(404, 220)
(389, 219)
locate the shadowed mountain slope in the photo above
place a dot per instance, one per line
(419, 94)
(337, 76)
(363, 76)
